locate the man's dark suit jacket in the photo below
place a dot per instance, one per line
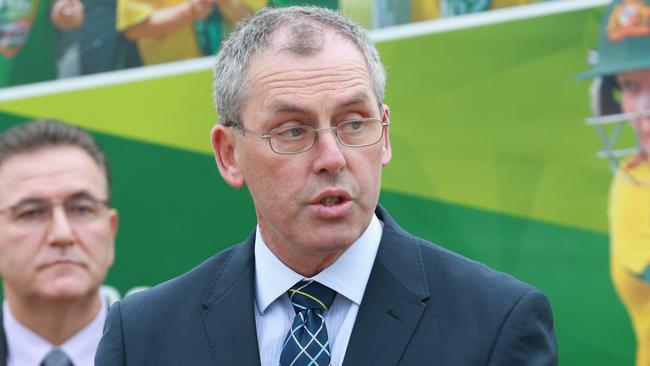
(3, 343)
(423, 305)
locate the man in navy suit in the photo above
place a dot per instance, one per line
(327, 277)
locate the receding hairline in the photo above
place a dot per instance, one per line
(288, 105)
(279, 44)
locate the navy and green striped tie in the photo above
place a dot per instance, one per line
(307, 342)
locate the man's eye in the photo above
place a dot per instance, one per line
(354, 125)
(80, 209)
(31, 213)
(292, 132)
(351, 126)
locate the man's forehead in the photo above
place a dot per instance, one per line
(279, 56)
(290, 104)
(280, 80)
(58, 171)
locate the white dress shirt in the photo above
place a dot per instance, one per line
(348, 276)
(26, 348)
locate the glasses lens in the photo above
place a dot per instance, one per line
(82, 210)
(292, 139)
(28, 214)
(360, 133)
(35, 214)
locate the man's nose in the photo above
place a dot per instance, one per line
(330, 157)
(61, 232)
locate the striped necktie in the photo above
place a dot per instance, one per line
(56, 357)
(307, 342)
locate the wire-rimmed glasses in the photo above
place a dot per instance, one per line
(300, 138)
(34, 213)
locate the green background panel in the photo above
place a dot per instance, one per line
(175, 111)
(491, 117)
(359, 10)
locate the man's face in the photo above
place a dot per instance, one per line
(320, 201)
(56, 258)
(635, 88)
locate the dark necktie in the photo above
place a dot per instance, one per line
(307, 342)
(56, 357)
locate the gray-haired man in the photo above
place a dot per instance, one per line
(327, 277)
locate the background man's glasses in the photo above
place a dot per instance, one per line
(36, 213)
(300, 138)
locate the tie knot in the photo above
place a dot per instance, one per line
(56, 357)
(311, 295)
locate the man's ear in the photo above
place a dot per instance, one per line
(223, 145)
(387, 153)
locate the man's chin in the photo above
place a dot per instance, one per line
(335, 241)
(67, 289)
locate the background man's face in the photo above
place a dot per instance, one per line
(319, 201)
(635, 88)
(60, 259)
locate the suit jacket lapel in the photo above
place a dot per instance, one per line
(393, 302)
(229, 315)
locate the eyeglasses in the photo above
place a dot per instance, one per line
(36, 213)
(300, 138)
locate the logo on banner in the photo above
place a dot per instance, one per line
(16, 19)
(630, 18)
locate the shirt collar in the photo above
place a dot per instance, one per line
(29, 348)
(85, 342)
(348, 275)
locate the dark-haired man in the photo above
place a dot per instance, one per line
(57, 233)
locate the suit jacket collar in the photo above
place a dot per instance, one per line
(229, 316)
(393, 302)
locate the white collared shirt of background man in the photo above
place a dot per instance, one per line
(26, 348)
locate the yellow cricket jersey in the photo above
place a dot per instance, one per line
(629, 216)
(178, 45)
(252, 5)
(424, 10)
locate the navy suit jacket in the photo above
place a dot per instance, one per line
(3, 343)
(423, 305)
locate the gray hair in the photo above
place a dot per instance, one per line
(252, 35)
(40, 134)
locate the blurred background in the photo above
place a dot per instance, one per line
(491, 157)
